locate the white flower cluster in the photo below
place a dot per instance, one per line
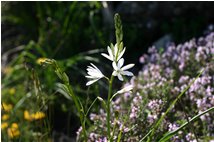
(94, 74)
(114, 55)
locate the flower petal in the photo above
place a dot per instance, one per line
(97, 70)
(115, 50)
(115, 66)
(106, 56)
(125, 89)
(120, 63)
(121, 53)
(94, 74)
(91, 77)
(91, 70)
(110, 53)
(128, 73)
(94, 66)
(120, 77)
(127, 67)
(114, 73)
(91, 82)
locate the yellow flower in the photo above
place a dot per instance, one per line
(27, 116)
(34, 116)
(41, 60)
(5, 117)
(15, 125)
(6, 107)
(4, 125)
(12, 91)
(13, 131)
(38, 115)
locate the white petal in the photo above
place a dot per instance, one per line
(114, 66)
(94, 66)
(115, 50)
(91, 70)
(91, 77)
(106, 56)
(114, 73)
(128, 73)
(110, 53)
(125, 89)
(94, 74)
(127, 67)
(96, 69)
(120, 77)
(121, 53)
(91, 82)
(89, 67)
(120, 63)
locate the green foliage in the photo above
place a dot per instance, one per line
(159, 121)
(60, 30)
(169, 135)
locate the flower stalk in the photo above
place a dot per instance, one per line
(115, 53)
(62, 75)
(108, 108)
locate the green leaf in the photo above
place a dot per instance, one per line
(62, 89)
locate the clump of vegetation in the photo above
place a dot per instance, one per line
(165, 74)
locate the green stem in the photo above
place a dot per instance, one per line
(62, 75)
(113, 130)
(108, 108)
(82, 121)
(187, 118)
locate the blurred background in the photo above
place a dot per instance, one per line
(75, 33)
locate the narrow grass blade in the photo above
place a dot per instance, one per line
(168, 135)
(171, 106)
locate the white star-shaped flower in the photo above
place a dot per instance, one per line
(114, 54)
(125, 89)
(119, 70)
(94, 74)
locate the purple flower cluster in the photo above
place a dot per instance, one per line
(163, 77)
(155, 108)
(135, 106)
(190, 137)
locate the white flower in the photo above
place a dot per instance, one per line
(119, 70)
(114, 54)
(125, 89)
(94, 74)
